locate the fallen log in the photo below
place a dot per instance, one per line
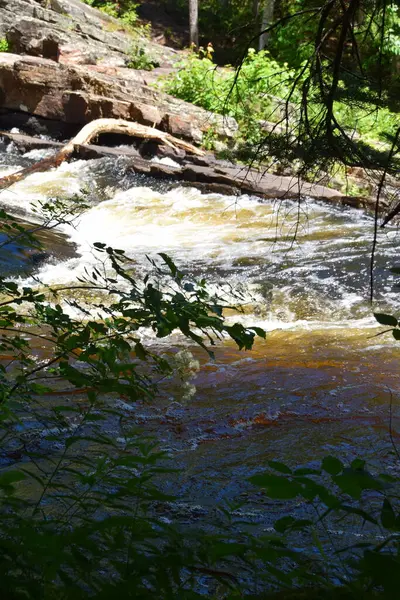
(92, 130)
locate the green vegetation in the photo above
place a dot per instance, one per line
(4, 45)
(292, 112)
(258, 92)
(255, 93)
(124, 10)
(78, 507)
(140, 59)
(84, 492)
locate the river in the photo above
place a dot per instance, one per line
(319, 384)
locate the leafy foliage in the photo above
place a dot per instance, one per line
(336, 493)
(262, 90)
(78, 501)
(4, 45)
(248, 96)
(140, 59)
(125, 10)
(80, 484)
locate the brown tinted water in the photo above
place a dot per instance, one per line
(320, 382)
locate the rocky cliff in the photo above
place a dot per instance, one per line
(68, 63)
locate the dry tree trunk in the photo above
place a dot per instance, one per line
(90, 131)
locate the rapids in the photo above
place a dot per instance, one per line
(320, 382)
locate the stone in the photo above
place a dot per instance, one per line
(28, 36)
(177, 154)
(91, 48)
(36, 126)
(51, 48)
(83, 108)
(146, 114)
(177, 125)
(216, 177)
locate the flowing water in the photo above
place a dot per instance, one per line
(320, 382)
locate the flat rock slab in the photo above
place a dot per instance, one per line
(78, 95)
(211, 175)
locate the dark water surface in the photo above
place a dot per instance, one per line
(321, 382)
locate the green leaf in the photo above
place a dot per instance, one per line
(140, 351)
(291, 524)
(258, 331)
(332, 465)
(360, 512)
(306, 471)
(171, 265)
(354, 482)
(358, 464)
(278, 466)
(388, 516)
(384, 319)
(276, 486)
(283, 524)
(224, 549)
(10, 477)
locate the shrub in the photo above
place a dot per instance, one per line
(126, 11)
(4, 45)
(140, 59)
(251, 94)
(80, 500)
(259, 92)
(77, 492)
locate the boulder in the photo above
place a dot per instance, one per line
(28, 36)
(79, 26)
(77, 95)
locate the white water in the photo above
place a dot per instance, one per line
(298, 266)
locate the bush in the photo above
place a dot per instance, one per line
(139, 59)
(250, 94)
(80, 498)
(77, 493)
(124, 10)
(259, 92)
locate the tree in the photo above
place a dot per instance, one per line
(194, 22)
(348, 62)
(267, 17)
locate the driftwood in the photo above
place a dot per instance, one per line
(90, 131)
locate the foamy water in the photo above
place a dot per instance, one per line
(296, 266)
